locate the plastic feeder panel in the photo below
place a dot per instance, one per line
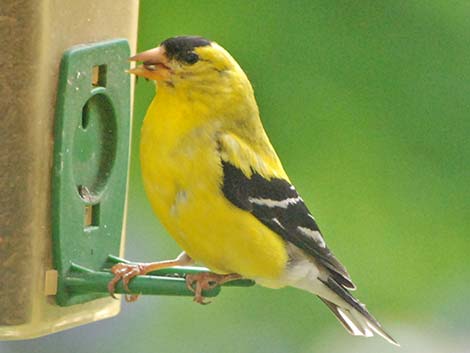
(91, 153)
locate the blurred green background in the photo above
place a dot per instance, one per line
(367, 105)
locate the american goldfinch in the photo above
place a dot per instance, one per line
(218, 187)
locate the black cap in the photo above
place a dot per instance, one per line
(181, 48)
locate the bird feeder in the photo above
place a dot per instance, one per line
(65, 102)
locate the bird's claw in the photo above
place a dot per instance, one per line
(206, 281)
(202, 281)
(124, 272)
(130, 298)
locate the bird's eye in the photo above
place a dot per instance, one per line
(191, 58)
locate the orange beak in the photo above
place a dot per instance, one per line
(155, 65)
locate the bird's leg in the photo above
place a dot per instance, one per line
(126, 272)
(207, 281)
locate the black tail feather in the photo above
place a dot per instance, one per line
(371, 322)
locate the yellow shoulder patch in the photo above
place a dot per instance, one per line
(236, 151)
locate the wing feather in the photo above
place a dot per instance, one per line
(276, 204)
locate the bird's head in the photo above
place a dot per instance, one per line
(190, 62)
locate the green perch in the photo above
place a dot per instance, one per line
(169, 281)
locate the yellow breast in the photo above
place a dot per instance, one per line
(182, 177)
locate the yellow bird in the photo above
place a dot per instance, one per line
(220, 190)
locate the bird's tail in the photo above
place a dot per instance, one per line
(351, 313)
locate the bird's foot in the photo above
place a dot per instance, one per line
(125, 272)
(207, 281)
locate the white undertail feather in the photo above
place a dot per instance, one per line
(352, 314)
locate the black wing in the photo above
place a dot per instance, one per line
(276, 204)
